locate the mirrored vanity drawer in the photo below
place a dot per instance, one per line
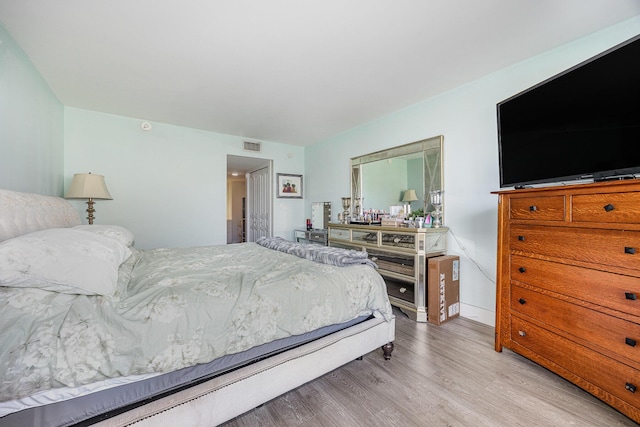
(339, 233)
(398, 240)
(365, 237)
(397, 263)
(434, 244)
(401, 290)
(318, 237)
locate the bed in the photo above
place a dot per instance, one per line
(96, 332)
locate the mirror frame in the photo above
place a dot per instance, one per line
(433, 164)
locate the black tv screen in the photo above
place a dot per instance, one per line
(583, 123)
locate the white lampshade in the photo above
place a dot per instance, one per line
(409, 196)
(88, 186)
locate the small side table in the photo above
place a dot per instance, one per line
(317, 236)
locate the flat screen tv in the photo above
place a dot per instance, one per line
(583, 123)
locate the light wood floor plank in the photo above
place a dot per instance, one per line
(447, 375)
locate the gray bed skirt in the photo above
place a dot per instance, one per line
(89, 409)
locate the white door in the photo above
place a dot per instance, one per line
(259, 204)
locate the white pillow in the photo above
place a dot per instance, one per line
(117, 232)
(62, 260)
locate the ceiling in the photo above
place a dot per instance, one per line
(288, 71)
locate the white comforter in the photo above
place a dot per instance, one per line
(175, 308)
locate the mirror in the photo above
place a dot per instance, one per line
(379, 180)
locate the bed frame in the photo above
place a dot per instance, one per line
(227, 396)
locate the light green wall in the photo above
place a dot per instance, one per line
(31, 125)
(169, 184)
(466, 117)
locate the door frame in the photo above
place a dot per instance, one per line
(243, 165)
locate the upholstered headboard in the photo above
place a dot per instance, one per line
(22, 213)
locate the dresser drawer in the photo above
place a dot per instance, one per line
(619, 336)
(340, 234)
(550, 208)
(318, 236)
(607, 374)
(434, 243)
(402, 264)
(614, 291)
(398, 240)
(611, 208)
(400, 289)
(364, 237)
(615, 248)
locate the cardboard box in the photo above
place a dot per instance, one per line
(443, 289)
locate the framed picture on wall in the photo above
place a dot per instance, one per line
(289, 186)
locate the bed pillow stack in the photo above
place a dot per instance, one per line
(66, 260)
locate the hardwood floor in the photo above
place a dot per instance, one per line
(446, 375)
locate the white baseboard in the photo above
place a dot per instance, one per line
(478, 314)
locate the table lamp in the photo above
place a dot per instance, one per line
(88, 186)
(408, 197)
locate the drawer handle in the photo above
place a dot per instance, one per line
(521, 238)
(522, 270)
(403, 290)
(629, 250)
(630, 295)
(630, 387)
(533, 208)
(522, 301)
(374, 258)
(522, 333)
(609, 207)
(630, 341)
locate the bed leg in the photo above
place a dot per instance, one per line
(387, 349)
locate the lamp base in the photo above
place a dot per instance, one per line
(90, 211)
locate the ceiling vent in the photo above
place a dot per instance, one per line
(251, 146)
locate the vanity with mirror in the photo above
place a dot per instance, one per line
(390, 184)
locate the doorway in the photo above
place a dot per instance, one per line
(249, 198)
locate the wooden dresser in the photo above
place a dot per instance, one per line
(568, 285)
